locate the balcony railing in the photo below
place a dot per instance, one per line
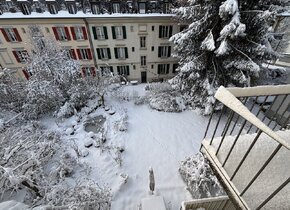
(248, 146)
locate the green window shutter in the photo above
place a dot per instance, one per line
(126, 52)
(113, 32)
(167, 69)
(160, 31)
(95, 32)
(105, 32)
(109, 53)
(170, 31)
(159, 51)
(116, 52)
(128, 71)
(99, 53)
(169, 51)
(124, 32)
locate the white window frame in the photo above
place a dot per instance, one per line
(163, 69)
(116, 8)
(96, 9)
(123, 71)
(71, 9)
(104, 53)
(53, 8)
(143, 9)
(84, 54)
(22, 55)
(87, 71)
(106, 69)
(164, 51)
(25, 9)
(11, 34)
(121, 53)
(165, 31)
(79, 33)
(100, 32)
(119, 32)
(61, 34)
(142, 41)
(143, 61)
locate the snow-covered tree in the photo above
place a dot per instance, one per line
(225, 44)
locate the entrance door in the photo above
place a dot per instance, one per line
(144, 77)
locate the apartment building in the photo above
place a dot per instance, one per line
(129, 38)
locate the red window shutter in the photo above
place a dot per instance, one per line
(79, 54)
(17, 35)
(16, 56)
(93, 72)
(25, 73)
(67, 33)
(5, 35)
(55, 33)
(73, 54)
(85, 33)
(72, 29)
(89, 53)
(83, 72)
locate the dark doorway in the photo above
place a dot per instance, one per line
(143, 77)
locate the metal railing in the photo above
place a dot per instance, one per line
(250, 111)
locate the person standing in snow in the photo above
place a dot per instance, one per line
(151, 180)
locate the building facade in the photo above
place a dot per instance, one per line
(130, 38)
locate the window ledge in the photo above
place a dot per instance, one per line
(143, 48)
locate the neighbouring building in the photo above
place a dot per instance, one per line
(130, 38)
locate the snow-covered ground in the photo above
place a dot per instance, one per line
(153, 139)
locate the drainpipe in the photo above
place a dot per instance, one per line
(91, 42)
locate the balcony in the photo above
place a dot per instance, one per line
(250, 152)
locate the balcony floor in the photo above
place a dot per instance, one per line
(277, 171)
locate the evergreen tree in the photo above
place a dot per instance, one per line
(225, 44)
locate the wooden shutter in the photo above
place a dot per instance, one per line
(17, 35)
(72, 29)
(93, 71)
(99, 53)
(73, 54)
(85, 33)
(89, 53)
(126, 52)
(116, 52)
(113, 32)
(167, 68)
(5, 35)
(170, 31)
(159, 51)
(79, 54)
(160, 31)
(16, 56)
(169, 51)
(95, 32)
(67, 33)
(124, 32)
(105, 32)
(25, 73)
(109, 53)
(127, 69)
(55, 33)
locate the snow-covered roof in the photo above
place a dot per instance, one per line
(65, 14)
(285, 14)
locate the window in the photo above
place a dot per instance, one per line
(143, 42)
(71, 54)
(142, 8)
(88, 71)
(26, 73)
(119, 32)
(165, 31)
(121, 52)
(52, 8)
(84, 54)
(47, 30)
(123, 70)
(175, 66)
(143, 61)
(71, 8)
(152, 66)
(25, 9)
(152, 48)
(61, 33)
(134, 67)
(133, 49)
(106, 70)
(163, 68)
(164, 51)
(100, 32)
(95, 9)
(153, 28)
(103, 53)
(166, 8)
(79, 33)
(11, 34)
(116, 8)
(20, 55)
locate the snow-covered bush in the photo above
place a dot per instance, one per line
(162, 97)
(199, 178)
